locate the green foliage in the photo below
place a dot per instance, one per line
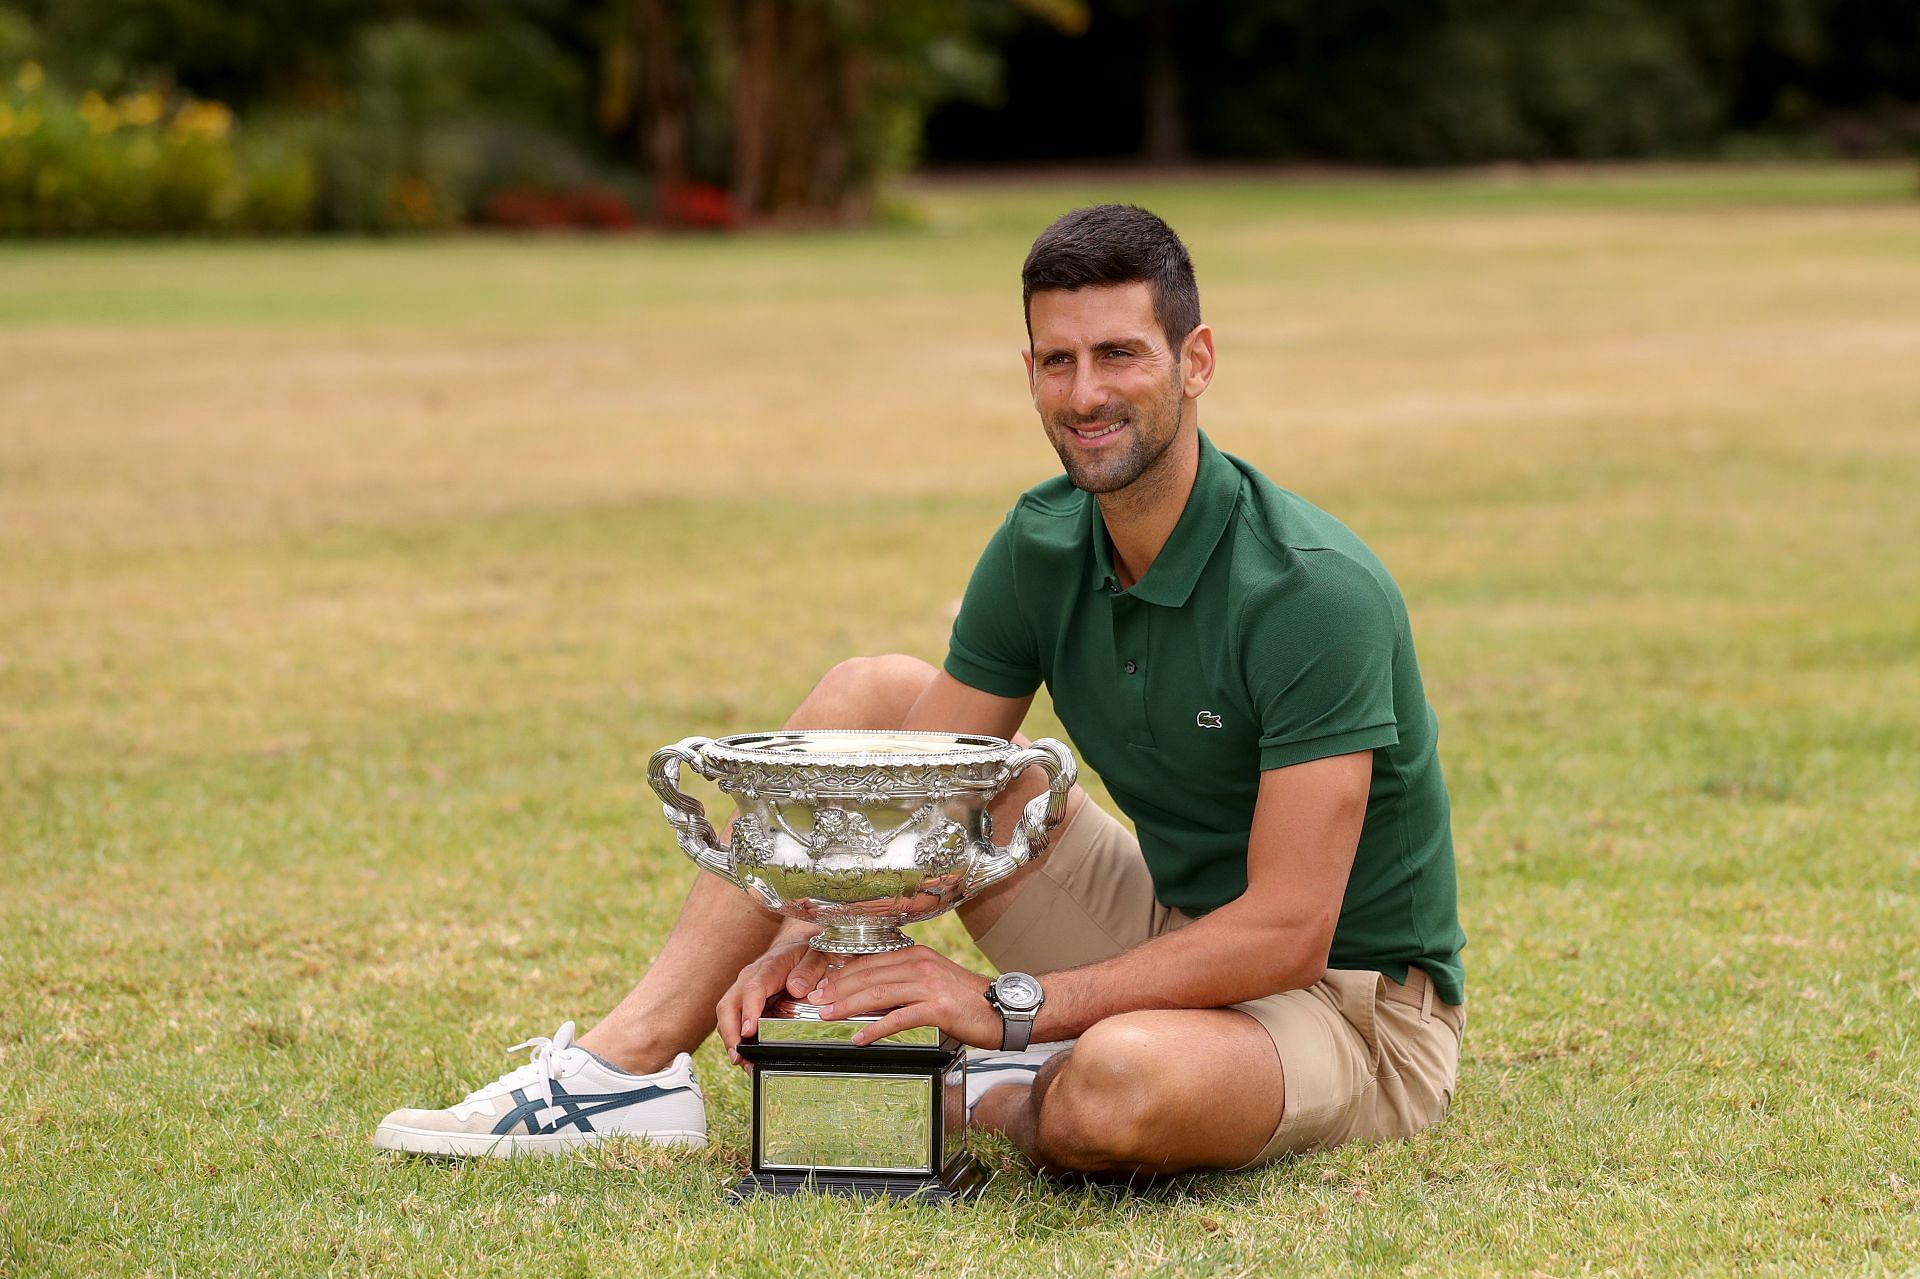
(368, 178)
(1474, 81)
(922, 54)
(516, 71)
(280, 189)
(407, 75)
(247, 53)
(1450, 81)
(416, 113)
(19, 39)
(380, 165)
(1596, 83)
(429, 132)
(503, 155)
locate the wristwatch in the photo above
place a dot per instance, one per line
(1018, 997)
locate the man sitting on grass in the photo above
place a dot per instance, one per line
(1272, 963)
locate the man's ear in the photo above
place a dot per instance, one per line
(1026, 355)
(1196, 361)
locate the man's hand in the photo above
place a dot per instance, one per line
(786, 966)
(921, 987)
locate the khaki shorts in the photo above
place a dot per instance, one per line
(1363, 1057)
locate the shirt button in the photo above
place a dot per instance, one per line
(1131, 668)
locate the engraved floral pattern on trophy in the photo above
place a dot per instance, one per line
(752, 844)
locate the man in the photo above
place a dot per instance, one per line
(1281, 936)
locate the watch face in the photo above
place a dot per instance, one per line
(1018, 992)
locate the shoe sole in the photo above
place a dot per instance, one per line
(462, 1145)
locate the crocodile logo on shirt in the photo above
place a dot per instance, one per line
(1207, 719)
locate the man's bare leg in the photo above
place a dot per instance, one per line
(719, 930)
(718, 933)
(1148, 1094)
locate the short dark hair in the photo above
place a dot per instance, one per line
(1110, 244)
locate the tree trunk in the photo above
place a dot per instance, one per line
(800, 90)
(619, 76)
(1164, 137)
(756, 49)
(662, 96)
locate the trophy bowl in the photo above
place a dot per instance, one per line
(861, 832)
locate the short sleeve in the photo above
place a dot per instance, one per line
(1318, 656)
(992, 647)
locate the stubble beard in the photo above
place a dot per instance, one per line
(1152, 431)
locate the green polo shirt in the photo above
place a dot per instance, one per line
(1265, 634)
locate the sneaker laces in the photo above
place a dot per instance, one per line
(548, 1054)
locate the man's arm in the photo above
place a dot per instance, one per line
(1275, 937)
(948, 706)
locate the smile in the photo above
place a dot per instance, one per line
(1098, 432)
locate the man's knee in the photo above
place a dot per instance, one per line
(1103, 1109)
(870, 692)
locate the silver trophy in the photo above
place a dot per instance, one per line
(860, 833)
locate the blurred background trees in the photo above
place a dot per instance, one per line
(169, 115)
(1449, 81)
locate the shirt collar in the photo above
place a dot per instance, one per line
(1170, 579)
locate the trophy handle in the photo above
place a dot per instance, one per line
(1037, 821)
(687, 815)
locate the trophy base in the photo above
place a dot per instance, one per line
(962, 1181)
(833, 1117)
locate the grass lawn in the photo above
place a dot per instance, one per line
(346, 587)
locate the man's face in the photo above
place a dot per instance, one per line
(1106, 381)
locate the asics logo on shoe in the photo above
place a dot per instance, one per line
(569, 1110)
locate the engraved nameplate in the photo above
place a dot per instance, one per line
(845, 1122)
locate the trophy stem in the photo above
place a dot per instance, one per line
(858, 939)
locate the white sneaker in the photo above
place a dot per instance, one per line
(989, 1068)
(564, 1099)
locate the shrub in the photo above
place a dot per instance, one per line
(369, 178)
(515, 174)
(414, 149)
(280, 186)
(139, 163)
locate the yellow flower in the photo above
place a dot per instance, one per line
(210, 119)
(100, 117)
(31, 77)
(141, 109)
